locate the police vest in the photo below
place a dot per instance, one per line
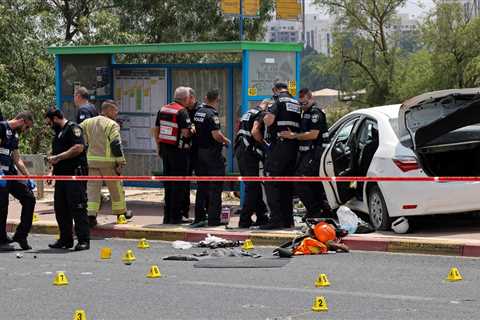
(308, 118)
(289, 115)
(7, 145)
(244, 134)
(169, 131)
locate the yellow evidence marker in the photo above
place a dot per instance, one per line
(320, 304)
(322, 281)
(143, 244)
(79, 315)
(247, 245)
(454, 275)
(105, 253)
(60, 279)
(154, 272)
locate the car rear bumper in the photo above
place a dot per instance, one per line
(424, 198)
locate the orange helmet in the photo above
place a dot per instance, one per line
(324, 232)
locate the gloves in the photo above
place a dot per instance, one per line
(31, 185)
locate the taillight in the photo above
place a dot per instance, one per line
(407, 164)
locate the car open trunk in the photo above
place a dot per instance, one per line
(443, 129)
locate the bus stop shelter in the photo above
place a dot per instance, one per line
(141, 89)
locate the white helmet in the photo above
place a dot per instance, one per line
(400, 225)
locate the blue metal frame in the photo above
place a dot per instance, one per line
(245, 100)
(58, 81)
(230, 118)
(298, 69)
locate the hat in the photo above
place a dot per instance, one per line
(280, 85)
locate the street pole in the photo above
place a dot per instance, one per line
(304, 38)
(241, 21)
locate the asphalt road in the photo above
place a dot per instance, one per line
(363, 286)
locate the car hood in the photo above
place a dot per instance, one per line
(431, 115)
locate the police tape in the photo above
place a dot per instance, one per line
(241, 178)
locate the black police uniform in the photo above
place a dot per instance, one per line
(19, 189)
(280, 161)
(70, 198)
(312, 194)
(85, 112)
(249, 154)
(176, 162)
(210, 162)
(193, 161)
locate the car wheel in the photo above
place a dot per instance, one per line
(377, 209)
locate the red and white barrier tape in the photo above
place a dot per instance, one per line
(244, 179)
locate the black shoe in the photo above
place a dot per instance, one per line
(82, 246)
(199, 224)
(59, 244)
(260, 222)
(245, 224)
(271, 226)
(128, 214)
(92, 221)
(214, 224)
(23, 243)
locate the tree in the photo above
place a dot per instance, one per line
(362, 43)
(453, 39)
(319, 72)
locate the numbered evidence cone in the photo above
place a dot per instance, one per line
(154, 272)
(322, 281)
(60, 279)
(320, 304)
(128, 257)
(105, 253)
(79, 315)
(247, 245)
(121, 219)
(454, 275)
(143, 244)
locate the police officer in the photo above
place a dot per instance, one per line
(312, 138)
(284, 115)
(86, 110)
(10, 161)
(211, 162)
(192, 108)
(173, 133)
(249, 154)
(70, 199)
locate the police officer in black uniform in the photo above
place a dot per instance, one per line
(313, 138)
(249, 154)
(211, 162)
(22, 190)
(86, 110)
(68, 158)
(173, 132)
(283, 115)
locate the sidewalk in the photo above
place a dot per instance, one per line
(460, 238)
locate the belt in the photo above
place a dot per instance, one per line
(288, 123)
(305, 148)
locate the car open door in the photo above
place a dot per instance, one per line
(337, 161)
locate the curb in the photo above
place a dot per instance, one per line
(356, 242)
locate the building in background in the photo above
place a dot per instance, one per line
(471, 7)
(284, 31)
(319, 33)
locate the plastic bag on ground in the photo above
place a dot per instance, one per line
(348, 219)
(182, 245)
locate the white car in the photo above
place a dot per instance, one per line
(435, 134)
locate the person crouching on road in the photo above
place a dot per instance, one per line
(70, 199)
(10, 161)
(211, 162)
(173, 133)
(105, 158)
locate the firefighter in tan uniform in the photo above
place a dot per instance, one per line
(105, 158)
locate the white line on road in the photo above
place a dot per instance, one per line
(315, 291)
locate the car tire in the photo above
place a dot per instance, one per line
(377, 209)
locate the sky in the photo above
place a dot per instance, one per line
(413, 7)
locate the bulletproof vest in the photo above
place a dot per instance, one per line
(7, 145)
(308, 118)
(169, 130)
(288, 116)
(244, 133)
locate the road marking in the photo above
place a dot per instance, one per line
(314, 291)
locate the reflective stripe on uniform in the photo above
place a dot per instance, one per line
(4, 168)
(169, 110)
(245, 132)
(305, 148)
(288, 123)
(168, 124)
(245, 142)
(325, 145)
(5, 151)
(325, 135)
(167, 137)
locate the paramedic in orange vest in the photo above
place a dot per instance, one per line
(173, 131)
